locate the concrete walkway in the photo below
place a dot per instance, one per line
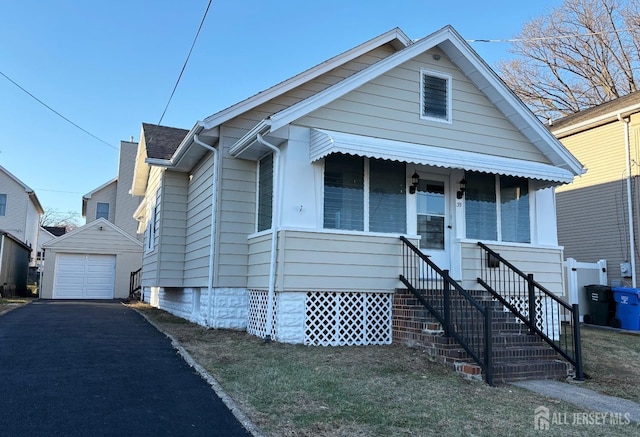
(96, 368)
(584, 397)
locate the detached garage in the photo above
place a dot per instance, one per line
(91, 262)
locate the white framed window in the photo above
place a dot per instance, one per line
(102, 210)
(363, 194)
(435, 96)
(497, 208)
(265, 193)
(3, 204)
(153, 224)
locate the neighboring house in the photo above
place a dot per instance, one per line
(45, 234)
(283, 214)
(598, 215)
(112, 200)
(20, 211)
(96, 260)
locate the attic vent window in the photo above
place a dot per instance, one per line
(435, 92)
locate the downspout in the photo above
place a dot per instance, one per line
(632, 246)
(275, 225)
(1, 261)
(214, 201)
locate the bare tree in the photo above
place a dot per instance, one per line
(579, 55)
(53, 217)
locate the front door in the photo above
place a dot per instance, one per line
(432, 219)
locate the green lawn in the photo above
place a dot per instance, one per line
(295, 390)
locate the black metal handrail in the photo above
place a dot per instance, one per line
(135, 284)
(462, 317)
(557, 323)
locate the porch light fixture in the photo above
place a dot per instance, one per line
(462, 187)
(415, 180)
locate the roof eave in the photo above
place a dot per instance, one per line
(609, 117)
(396, 37)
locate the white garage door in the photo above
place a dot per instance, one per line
(84, 276)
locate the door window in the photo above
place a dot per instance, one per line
(431, 214)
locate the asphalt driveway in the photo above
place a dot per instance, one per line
(96, 368)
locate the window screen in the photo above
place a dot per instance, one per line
(344, 192)
(265, 193)
(387, 198)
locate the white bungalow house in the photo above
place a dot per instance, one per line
(283, 213)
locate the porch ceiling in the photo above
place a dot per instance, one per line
(325, 142)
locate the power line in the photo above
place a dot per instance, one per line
(56, 112)
(542, 38)
(186, 60)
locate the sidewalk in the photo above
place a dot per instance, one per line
(583, 397)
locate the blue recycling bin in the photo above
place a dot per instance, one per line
(628, 307)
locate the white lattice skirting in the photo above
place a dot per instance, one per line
(347, 319)
(257, 321)
(547, 314)
(323, 318)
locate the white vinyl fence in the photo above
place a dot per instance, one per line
(577, 275)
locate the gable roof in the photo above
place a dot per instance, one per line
(87, 196)
(156, 147)
(396, 37)
(162, 141)
(100, 223)
(186, 153)
(54, 231)
(596, 116)
(29, 191)
(462, 55)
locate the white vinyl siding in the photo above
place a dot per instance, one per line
(477, 125)
(545, 263)
(237, 219)
(150, 259)
(105, 195)
(171, 229)
(198, 233)
(327, 261)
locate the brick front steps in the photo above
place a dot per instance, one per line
(517, 355)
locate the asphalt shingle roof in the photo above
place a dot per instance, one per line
(162, 141)
(596, 111)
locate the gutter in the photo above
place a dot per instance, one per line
(214, 201)
(275, 227)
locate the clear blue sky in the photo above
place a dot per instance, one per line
(110, 65)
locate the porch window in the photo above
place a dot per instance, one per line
(435, 96)
(102, 210)
(497, 208)
(387, 198)
(3, 204)
(265, 192)
(344, 192)
(362, 194)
